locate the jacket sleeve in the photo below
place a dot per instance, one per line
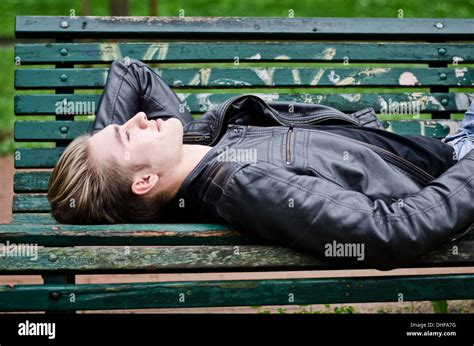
(311, 214)
(131, 87)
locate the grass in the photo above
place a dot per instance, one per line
(6, 101)
(262, 8)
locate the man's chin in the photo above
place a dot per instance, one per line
(173, 122)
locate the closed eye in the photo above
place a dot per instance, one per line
(128, 135)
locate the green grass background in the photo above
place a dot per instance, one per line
(275, 8)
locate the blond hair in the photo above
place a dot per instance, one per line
(85, 192)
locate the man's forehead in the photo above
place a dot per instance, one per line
(103, 142)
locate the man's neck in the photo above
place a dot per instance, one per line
(192, 155)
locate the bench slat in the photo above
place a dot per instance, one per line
(31, 181)
(199, 52)
(30, 202)
(242, 27)
(33, 218)
(202, 102)
(38, 157)
(190, 258)
(50, 130)
(94, 78)
(56, 234)
(122, 234)
(236, 293)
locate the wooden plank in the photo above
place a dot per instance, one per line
(55, 234)
(30, 202)
(197, 52)
(121, 234)
(31, 181)
(36, 157)
(129, 259)
(50, 130)
(393, 103)
(94, 78)
(63, 104)
(243, 27)
(428, 128)
(235, 293)
(208, 258)
(33, 218)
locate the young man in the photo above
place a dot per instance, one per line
(303, 176)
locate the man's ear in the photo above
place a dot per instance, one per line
(144, 183)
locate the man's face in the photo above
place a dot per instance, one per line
(156, 143)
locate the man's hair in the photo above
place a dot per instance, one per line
(83, 191)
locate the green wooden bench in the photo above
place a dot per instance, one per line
(414, 72)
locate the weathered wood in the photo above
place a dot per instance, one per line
(122, 234)
(428, 128)
(94, 78)
(31, 181)
(235, 293)
(30, 202)
(37, 157)
(50, 130)
(33, 218)
(243, 27)
(197, 52)
(55, 234)
(129, 259)
(209, 258)
(385, 103)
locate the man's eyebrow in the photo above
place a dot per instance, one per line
(118, 135)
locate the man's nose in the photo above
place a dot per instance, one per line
(141, 120)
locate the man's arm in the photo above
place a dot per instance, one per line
(133, 87)
(307, 213)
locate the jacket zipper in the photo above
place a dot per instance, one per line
(288, 145)
(423, 176)
(196, 138)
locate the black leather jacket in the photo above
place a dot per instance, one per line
(304, 187)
